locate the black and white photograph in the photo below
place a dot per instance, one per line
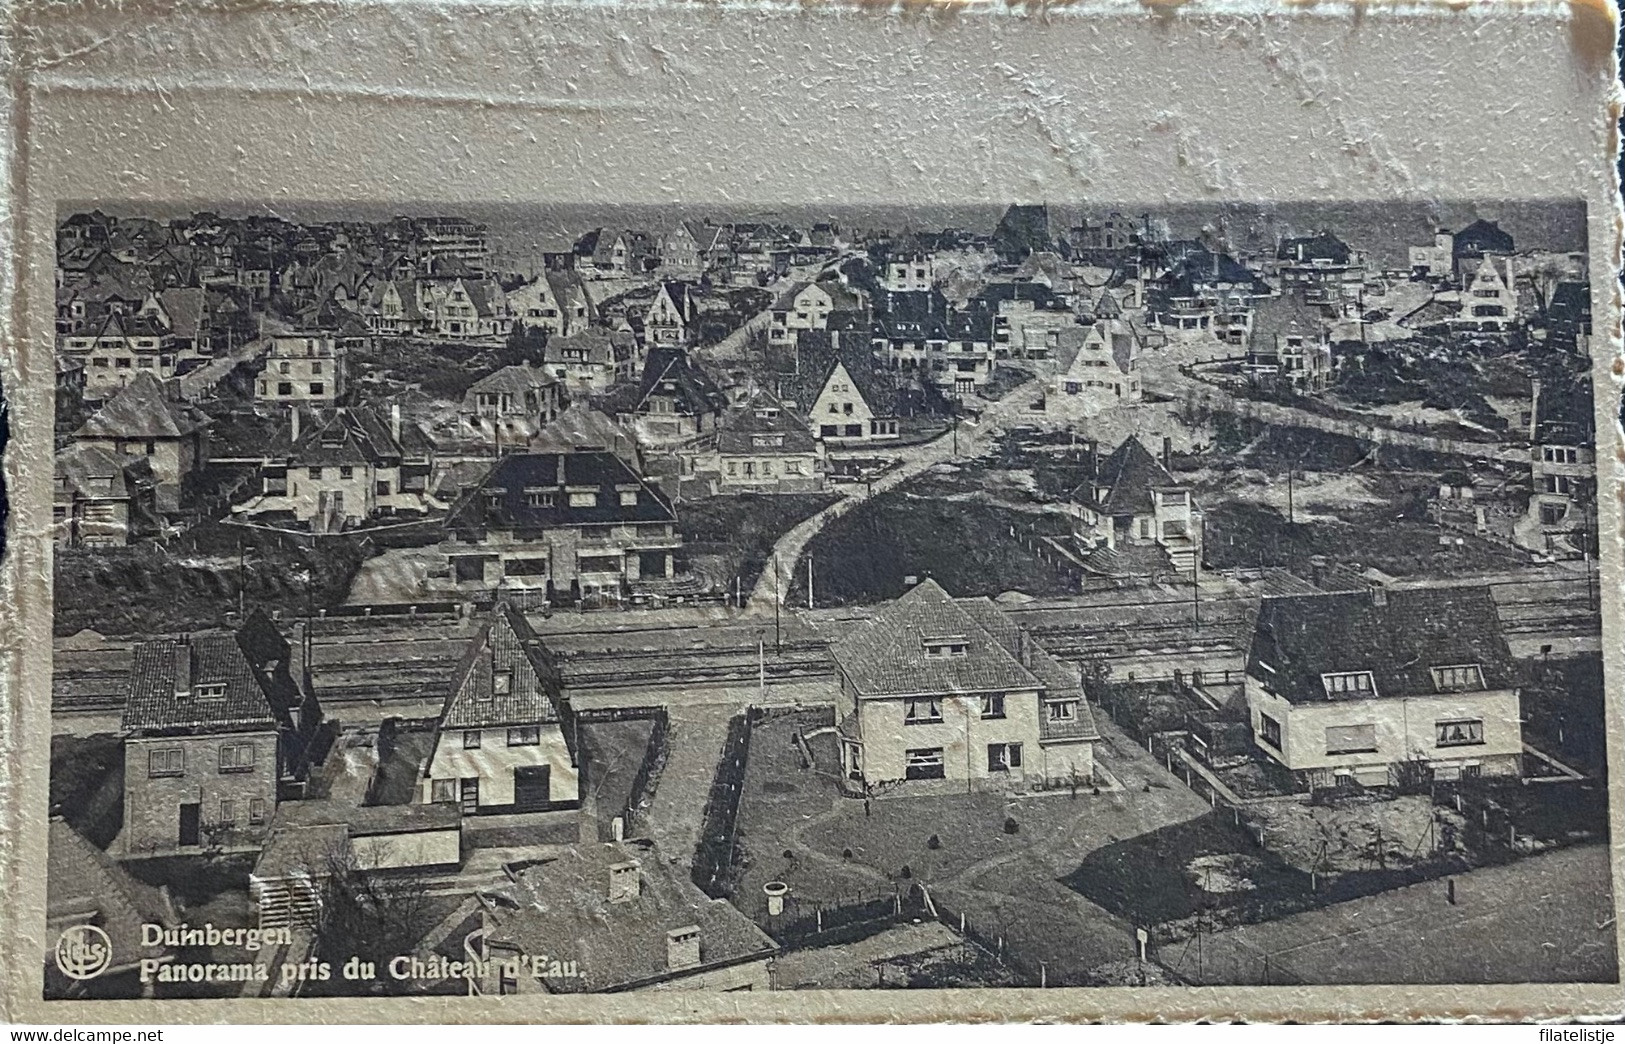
(514, 599)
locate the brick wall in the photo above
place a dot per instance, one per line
(152, 803)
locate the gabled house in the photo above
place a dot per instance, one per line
(808, 306)
(1101, 368)
(1561, 519)
(100, 499)
(143, 421)
(570, 524)
(585, 362)
(1289, 342)
(676, 400)
(335, 469)
(670, 321)
(120, 347)
(1205, 294)
(392, 308)
(604, 253)
(1567, 317)
(1133, 502)
(618, 917)
(1489, 299)
(217, 728)
(1480, 240)
(760, 447)
(1385, 687)
(1321, 267)
(842, 397)
(934, 687)
(553, 301)
(680, 252)
(512, 405)
(505, 741)
(303, 367)
(85, 886)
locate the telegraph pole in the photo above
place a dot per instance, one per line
(777, 599)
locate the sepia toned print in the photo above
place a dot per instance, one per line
(527, 599)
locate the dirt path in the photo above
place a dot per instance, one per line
(695, 739)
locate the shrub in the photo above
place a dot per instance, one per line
(905, 873)
(846, 853)
(933, 842)
(1010, 825)
(789, 854)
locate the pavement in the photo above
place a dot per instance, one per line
(1546, 918)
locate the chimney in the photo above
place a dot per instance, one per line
(395, 421)
(910, 581)
(625, 883)
(1534, 406)
(683, 948)
(1026, 648)
(1167, 450)
(294, 422)
(561, 469)
(1379, 595)
(183, 667)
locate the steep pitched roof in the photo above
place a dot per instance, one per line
(205, 681)
(142, 410)
(1299, 638)
(671, 371)
(504, 498)
(1482, 237)
(505, 645)
(1129, 475)
(83, 884)
(1287, 314)
(742, 430)
(513, 379)
(580, 427)
(186, 308)
(886, 655)
(82, 467)
(1322, 246)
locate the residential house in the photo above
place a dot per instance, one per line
(303, 367)
(1322, 267)
(1289, 343)
(808, 306)
(1023, 315)
(1434, 262)
(1567, 317)
(602, 252)
(615, 917)
(680, 252)
(586, 362)
(1489, 299)
(951, 689)
(669, 323)
(1204, 295)
(118, 348)
(461, 306)
(392, 308)
(844, 400)
(1132, 515)
(570, 524)
(506, 737)
(553, 301)
(85, 886)
(143, 421)
(1023, 230)
(512, 405)
(676, 399)
(1478, 241)
(100, 499)
(216, 730)
(908, 271)
(1562, 514)
(582, 428)
(184, 312)
(1386, 687)
(1103, 368)
(337, 468)
(760, 447)
(454, 237)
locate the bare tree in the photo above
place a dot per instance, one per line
(373, 916)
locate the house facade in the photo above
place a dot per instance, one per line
(216, 730)
(1132, 502)
(144, 422)
(505, 741)
(100, 499)
(512, 405)
(302, 367)
(940, 694)
(1384, 688)
(1104, 367)
(118, 348)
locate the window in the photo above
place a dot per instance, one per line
(171, 761)
(471, 739)
(316, 388)
(1559, 484)
(629, 498)
(583, 500)
(1002, 757)
(939, 648)
(1463, 678)
(383, 488)
(316, 368)
(733, 468)
(1351, 739)
(256, 811)
(284, 367)
(1553, 514)
(228, 812)
(236, 757)
(315, 473)
(1269, 731)
(993, 706)
(121, 364)
(922, 710)
(443, 790)
(1063, 710)
(1358, 682)
(538, 498)
(1461, 732)
(1560, 454)
(924, 763)
(525, 736)
(502, 683)
(210, 691)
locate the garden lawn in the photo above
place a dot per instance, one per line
(611, 752)
(739, 530)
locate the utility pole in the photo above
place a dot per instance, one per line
(777, 640)
(809, 581)
(1291, 517)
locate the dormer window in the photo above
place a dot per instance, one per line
(210, 691)
(1460, 678)
(1357, 683)
(943, 648)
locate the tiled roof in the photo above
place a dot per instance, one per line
(504, 498)
(1297, 639)
(886, 656)
(166, 676)
(514, 379)
(1480, 237)
(80, 464)
(348, 435)
(83, 884)
(596, 344)
(142, 410)
(505, 645)
(580, 427)
(561, 908)
(672, 371)
(1129, 475)
(1289, 313)
(1322, 246)
(740, 429)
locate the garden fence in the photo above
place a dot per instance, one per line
(714, 857)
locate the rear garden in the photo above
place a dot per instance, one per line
(729, 538)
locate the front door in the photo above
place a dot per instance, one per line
(530, 787)
(471, 796)
(191, 816)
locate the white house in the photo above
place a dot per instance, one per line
(1384, 687)
(505, 740)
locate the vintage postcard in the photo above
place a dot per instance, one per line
(1049, 592)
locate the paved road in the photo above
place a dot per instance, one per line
(1546, 918)
(970, 440)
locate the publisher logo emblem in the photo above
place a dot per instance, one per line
(83, 951)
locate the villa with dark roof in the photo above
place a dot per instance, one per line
(142, 420)
(505, 741)
(934, 687)
(1289, 341)
(1132, 510)
(216, 729)
(569, 524)
(1384, 687)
